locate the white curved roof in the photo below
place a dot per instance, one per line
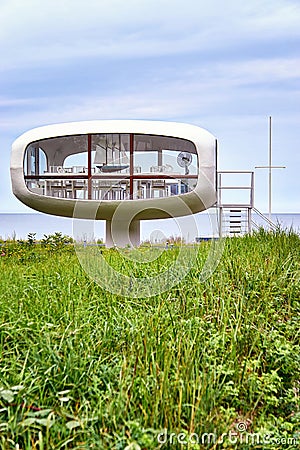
(175, 129)
(203, 196)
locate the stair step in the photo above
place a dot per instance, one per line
(235, 220)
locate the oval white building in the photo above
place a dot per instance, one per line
(149, 168)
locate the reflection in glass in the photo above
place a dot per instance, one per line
(112, 152)
(98, 166)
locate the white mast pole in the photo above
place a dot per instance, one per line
(270, 168)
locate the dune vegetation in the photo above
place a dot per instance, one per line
(208, 364)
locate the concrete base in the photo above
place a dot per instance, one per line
(121, 234)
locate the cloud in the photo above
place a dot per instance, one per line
(227, 87)
(17, 102)
(222, 65)
(60, 32)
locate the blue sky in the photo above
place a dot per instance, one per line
(225, 66)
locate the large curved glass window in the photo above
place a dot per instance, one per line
(35, 163)
(111, 166)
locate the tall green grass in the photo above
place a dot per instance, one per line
(82, 368)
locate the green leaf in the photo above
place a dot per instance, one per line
(29, 421)
(19, 387)
(72, 424)
(7, 395)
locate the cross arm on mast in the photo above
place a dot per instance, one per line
(270, 167)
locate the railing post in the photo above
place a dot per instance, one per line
(249, 218)
(220, 221)
(89, 166)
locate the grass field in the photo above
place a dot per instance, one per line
(81, 368)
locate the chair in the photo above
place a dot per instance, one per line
(158, 186)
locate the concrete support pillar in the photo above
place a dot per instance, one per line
(121, 234)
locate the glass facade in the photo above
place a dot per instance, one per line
(111, 166)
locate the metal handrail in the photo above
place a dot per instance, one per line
(221, 187)
(265, 218)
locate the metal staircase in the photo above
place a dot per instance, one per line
(235, 221)
(235, 217)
